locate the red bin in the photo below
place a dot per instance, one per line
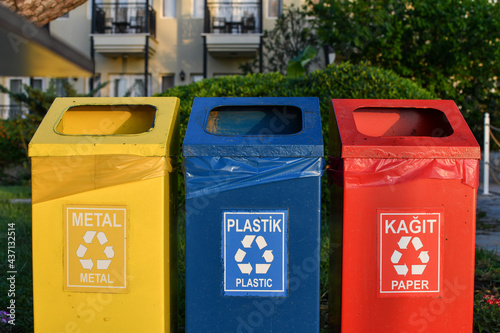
(404, 177)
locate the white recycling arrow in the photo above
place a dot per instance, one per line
(240, 255)
(80, 252)
(401, 269)
(417, 243)
(268, 255)
(261, 242)
(101, 237)
(87, 263)
(417, 269)
(247, 241)
(424, 257)
(396, 255)
(245, 268)
(103, 264)
(89, 236)
(403, 242)
(262, 268)
(109, 252)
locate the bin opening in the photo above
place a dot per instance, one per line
(255, 120)
(107, 119)
(380, 122)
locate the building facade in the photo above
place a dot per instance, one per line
(143, 48)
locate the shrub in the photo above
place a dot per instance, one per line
(487, 292)
(15, 135)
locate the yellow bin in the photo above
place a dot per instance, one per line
(104, 215)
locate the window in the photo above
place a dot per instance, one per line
(16, 86)
(36, 83)
(198, 8)
(128, 85)
(196, 77)
(167, 82)
(274, 8)
(169, 8)
(61, 86)
(120, 87)
(12, 108)
(138, 87)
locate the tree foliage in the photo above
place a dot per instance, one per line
(291, 35)
(450, 47)
(297, 66)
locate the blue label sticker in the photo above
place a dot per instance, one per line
(254, 252)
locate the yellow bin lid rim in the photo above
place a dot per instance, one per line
(131, 139)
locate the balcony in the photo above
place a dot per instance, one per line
(233, 29)
(124, 29)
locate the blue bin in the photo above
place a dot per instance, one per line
(253, 170)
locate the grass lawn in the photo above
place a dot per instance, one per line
(18, 217)
(15, 192)
(15, 226)
(487, 292)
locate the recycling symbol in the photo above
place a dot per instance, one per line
(403, 245)
(88, 238)
(260, 268)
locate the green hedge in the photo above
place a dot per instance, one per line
(336, 81)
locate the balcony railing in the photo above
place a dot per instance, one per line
(12, 111)
(228, 17)
(124, 18)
